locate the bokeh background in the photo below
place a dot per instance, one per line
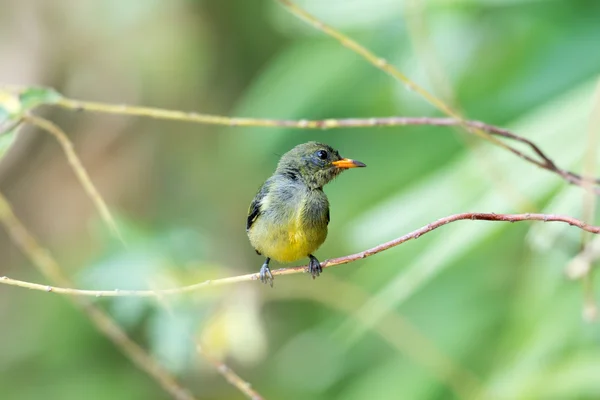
(474, 309)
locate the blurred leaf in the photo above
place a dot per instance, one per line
(171, 336)
(576, 376)
(13, 107)
(533, 350)
(4, 115)
(314, 61)
(235, 330)
(10, 106)
(393, 379)
(149, 262)
(9, 111)
(325, 353)
(35, 96)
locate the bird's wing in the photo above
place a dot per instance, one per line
(254, 210)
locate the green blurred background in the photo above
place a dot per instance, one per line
(472, 310)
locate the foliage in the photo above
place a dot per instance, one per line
(13, 106)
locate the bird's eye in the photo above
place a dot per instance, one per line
(322, 154)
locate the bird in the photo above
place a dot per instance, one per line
(289, 215)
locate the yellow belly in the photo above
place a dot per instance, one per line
(285, 244)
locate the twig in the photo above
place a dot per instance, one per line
(46, 264)
(78, 169)
(545, 162)
(230, 375)
(325, 264)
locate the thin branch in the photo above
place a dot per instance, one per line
(325, 264)
(78, 169)
(544, 162)
(229, 374)
(46, 264)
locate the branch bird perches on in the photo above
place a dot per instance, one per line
(325, 264)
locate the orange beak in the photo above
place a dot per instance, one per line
(348, 163)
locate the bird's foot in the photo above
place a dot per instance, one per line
(314, 266)
(265, 274)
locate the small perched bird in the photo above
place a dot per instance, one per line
(288, 218)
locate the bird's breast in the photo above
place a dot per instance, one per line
(290, 227)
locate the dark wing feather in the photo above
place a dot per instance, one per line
(254, 210)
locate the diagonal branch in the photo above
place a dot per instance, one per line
(230, 375)
(77, 167)
(325, 264)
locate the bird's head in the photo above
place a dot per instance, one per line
(315, 163)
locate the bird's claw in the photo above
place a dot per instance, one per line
(265, 275)
(314, 267)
